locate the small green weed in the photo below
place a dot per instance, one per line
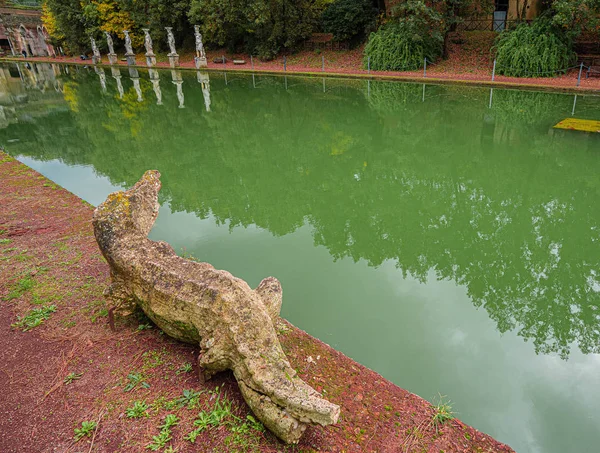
(5, 241)
(164, 436)
(185, 368)
(220, 412)
(34, 318)
(71, 377)
(138, 410)
(136, 379)
(443, 412)
(189, 398)
(87, 428)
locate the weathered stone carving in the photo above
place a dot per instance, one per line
(197, 303)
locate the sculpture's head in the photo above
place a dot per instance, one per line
(129, 213)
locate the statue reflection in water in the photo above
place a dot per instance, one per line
(102, 77)
(116, 74)
(204, 81)
(134, 76)
(177, 79)
(155, 79)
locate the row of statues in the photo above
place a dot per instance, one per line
(200, 59)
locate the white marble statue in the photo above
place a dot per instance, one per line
(148, 42)
(200, 53)
(109, 42)
(171, 41)
(95, 50)
(128, 48)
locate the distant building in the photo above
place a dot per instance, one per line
(22, 33)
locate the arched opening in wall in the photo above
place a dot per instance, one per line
(42, 40)
(25, 48)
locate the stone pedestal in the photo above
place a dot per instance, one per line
(130, 59)
(200, 62)
(112, 58)
(174, 60)
(150, 60)
(96, 59)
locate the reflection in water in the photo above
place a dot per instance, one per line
(155, 79)
(177, 79)
(116, 73)
(102, 77)
(204, 81)
(454, 186)
(502, 224)
(134, 76)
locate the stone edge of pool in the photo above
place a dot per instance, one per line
(35, 216)
(339, 75)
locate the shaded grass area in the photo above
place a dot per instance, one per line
(80, 386)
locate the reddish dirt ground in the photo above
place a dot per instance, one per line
(470, 61)
(48, 256)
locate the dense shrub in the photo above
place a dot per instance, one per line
(349, 20)
(536, 50)
(262, 27)
(414, 35)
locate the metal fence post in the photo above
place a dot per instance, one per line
(252, 62)
(369, 64)
(494, 71)
(284, 64)
(322, 63)
(223, 57)
(580, 71)
(425, 68)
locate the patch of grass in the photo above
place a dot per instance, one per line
(443, 412)
(245, 436)
(136, 379)
(160, 441)
(34, 318)
(188, 256)
(185, 368)
(138, 410)
(153, 359)
(5, 241)
(72, 377)
(62, 246)
(96, 309)
(22, 286)
(87, 428)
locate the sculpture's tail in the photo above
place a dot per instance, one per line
(287, 412)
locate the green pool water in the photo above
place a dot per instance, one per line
(446, 237)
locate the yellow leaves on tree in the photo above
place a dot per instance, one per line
(49, 21)
(114, 21)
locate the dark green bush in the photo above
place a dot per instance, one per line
(536, 50)
(414, 35)
(349, 20)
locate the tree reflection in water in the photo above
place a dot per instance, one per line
(491, 198)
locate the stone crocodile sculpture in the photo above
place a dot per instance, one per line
(196, 303)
